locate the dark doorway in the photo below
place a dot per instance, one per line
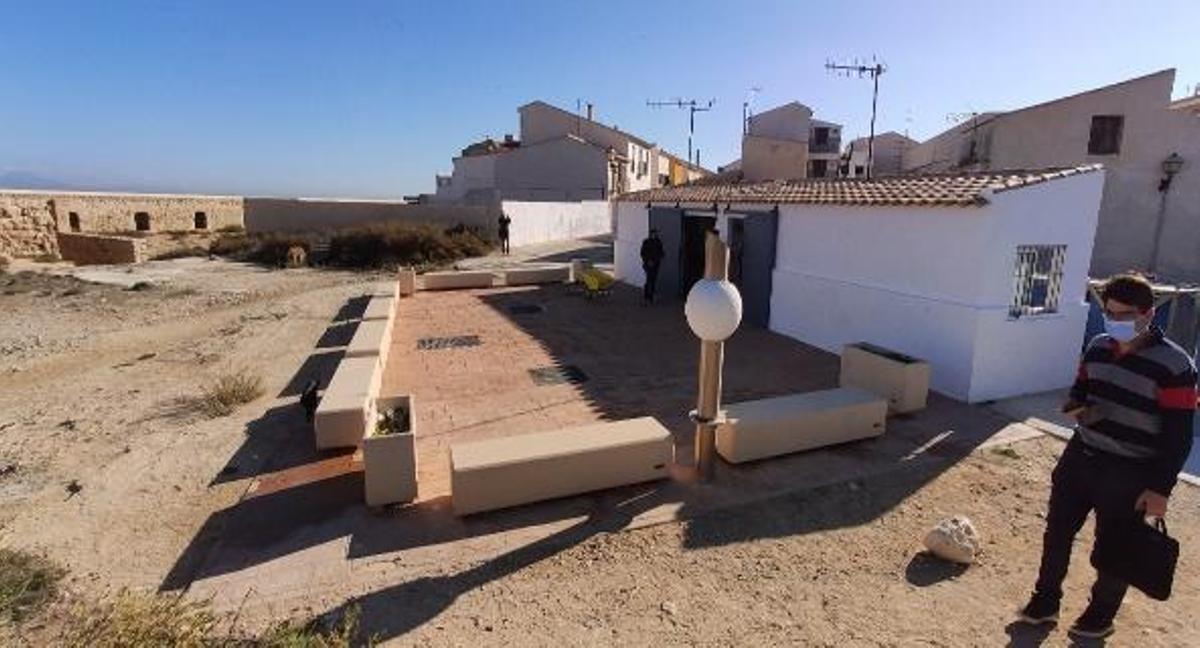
(73, 221)
(668, 223)
(200, 220)
(817, 168)
(141, 221)
(691, 262)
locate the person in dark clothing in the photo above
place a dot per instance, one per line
(1134, 400)
(504, 222)
(652, 256)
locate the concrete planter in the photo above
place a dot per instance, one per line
(902, 380)
(390, 460)
(407, 282)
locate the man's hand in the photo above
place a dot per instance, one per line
(1151, 504)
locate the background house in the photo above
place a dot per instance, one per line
(888, 159)
(785, 143)
(560, 156)
(1132, 128)
(981, 274)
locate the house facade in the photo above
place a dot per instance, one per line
(888, 159)
(786, 142)
(983, 275)
(1147, 221)
(560, 156)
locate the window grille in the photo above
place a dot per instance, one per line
(1037, 284)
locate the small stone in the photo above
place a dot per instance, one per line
(670, 608)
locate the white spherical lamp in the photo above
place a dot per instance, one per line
(713, 309)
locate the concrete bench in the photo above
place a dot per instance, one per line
(457, 280)
(380, 308)
(498, 473)
(530, 276)
(786, 424)
(341, 417)
(372, 338)
(900, 379)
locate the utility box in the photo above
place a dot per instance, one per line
(900, 379)
(785, 424)
(390, 459)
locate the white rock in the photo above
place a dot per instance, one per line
(954, 539)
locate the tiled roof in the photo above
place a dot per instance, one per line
(957, 189)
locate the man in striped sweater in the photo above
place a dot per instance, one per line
(1134, 400)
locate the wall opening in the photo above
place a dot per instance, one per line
(201, 220)
(73, 221)
(1038, 280)
(141, 221)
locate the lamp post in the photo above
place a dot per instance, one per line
(713, 310)
(1170, 166)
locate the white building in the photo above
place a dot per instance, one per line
(560, 156)
(888, 159)
(1135, 131)
(983, 275)
(787, 143)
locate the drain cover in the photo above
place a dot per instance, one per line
(557, 375)
(434, 344)
(525, 309)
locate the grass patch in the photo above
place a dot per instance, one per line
(223, 396)
(27, 583)
(135, 619)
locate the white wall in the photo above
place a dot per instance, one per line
(633, 225)
(541, 222)
(936, 282)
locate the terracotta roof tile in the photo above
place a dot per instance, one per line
(960, 189)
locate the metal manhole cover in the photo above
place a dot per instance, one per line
(525, 309)
(557, 375)
(456, 342)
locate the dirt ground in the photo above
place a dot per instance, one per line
(94, 382)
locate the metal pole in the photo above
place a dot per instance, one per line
(712, 355)
(871, 141)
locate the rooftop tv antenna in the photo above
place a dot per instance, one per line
(873, 70)
(748, 108)
(693, 107)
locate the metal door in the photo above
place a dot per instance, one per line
(669, 223)
(756, 264)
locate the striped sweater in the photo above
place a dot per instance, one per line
(1140, 404)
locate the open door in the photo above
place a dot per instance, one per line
(669, 223)
(752, 263)
(691, 260)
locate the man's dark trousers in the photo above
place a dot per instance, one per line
(1084, 480)
(651, 280)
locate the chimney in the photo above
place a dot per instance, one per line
(589, 111)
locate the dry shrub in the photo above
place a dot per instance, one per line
(183, 252)
(266, 248)
(235, 246)
(393, 244)
(223, 396)
(27, 583)
(136, 619)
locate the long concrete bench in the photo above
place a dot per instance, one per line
(498, 473)
(786, 424)
(380, 308)
(530, 276)
(372, 338)
(901, 379)
(456, 280)
(343, 413)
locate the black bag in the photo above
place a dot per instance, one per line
(1138, 553)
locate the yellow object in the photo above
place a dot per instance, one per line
(596, 282)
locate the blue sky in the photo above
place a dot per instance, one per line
(370, 99)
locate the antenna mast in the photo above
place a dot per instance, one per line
(693, 107)
(875, 70)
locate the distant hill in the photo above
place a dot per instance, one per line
(18, 179)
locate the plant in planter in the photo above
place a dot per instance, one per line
(390, 453)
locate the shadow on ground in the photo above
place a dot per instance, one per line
(599, 251)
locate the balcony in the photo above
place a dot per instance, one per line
(828, 145)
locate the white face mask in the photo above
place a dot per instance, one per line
(1120, 331)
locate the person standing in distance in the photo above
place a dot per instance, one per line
(502, 229)
(652, 256)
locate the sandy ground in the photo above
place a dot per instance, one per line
(91, 382)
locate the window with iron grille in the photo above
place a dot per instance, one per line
(1037, 284)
